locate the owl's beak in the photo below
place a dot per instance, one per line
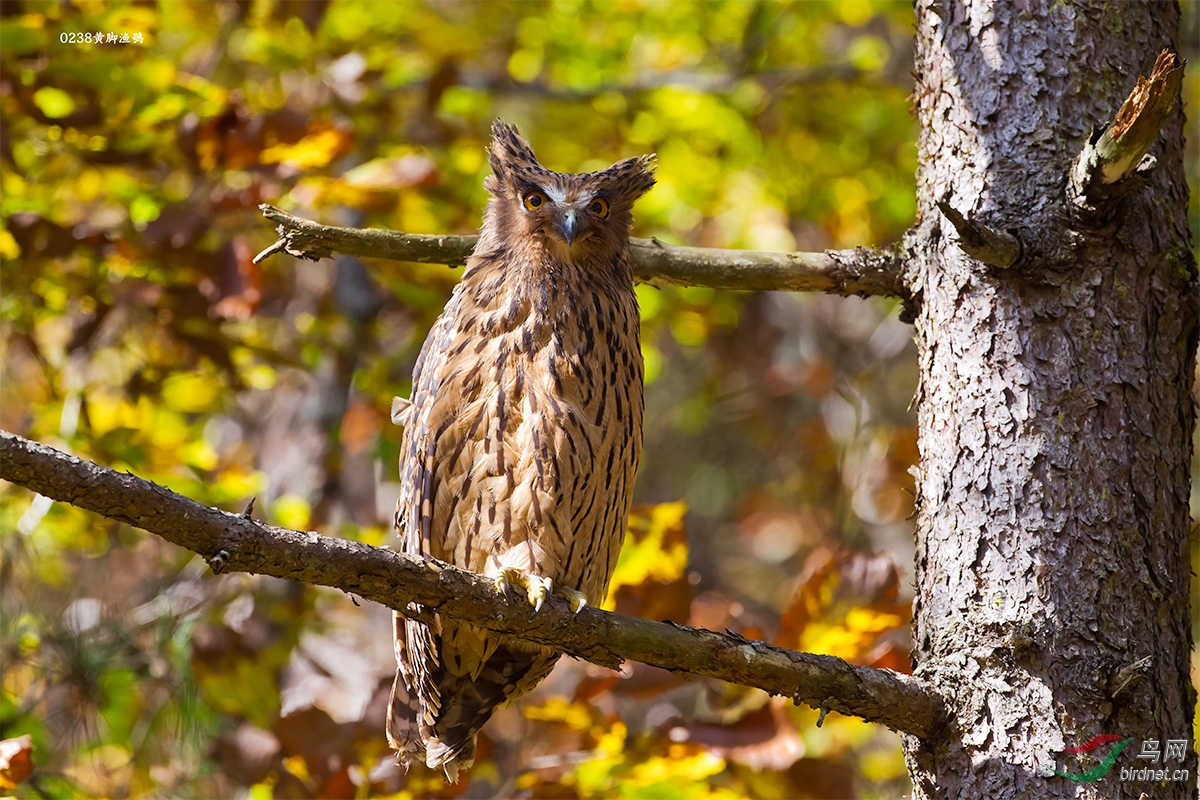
(568, 225)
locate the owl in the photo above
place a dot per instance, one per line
(522, 436)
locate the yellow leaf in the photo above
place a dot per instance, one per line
(9, 248)
(292, 511)
(263, 790)
(655, 548)
(103, 412)
(846, 602)
(315, 150)
(259, 376)
(54, 103)
(577, 716)
(297, 766)
(676, 768)
(613, 741)
(869, 620)
(237, 483)
(200, 455)
(189, 392)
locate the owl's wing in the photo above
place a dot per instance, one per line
(408, 726)
(426, 405)
(455, 465)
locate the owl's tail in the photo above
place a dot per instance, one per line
(445, 742)
(435, 715)
(466, 705)
(439, 755)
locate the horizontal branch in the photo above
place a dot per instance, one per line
(861, 271)
(232, 542)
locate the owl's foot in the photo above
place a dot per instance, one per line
(575, 599)
(537, 587)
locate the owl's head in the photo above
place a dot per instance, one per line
(576, 213)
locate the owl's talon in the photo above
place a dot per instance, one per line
(535, 587)
(575, 599)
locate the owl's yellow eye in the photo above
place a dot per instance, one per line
(599, 207)
(533, 201)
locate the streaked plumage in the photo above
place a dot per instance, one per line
(523, 434)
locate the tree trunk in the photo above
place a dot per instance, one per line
(1055, 413)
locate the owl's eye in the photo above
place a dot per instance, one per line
(533, 201)
(599, 207)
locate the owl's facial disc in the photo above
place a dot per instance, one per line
(563, 216)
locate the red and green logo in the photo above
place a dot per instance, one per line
(1100, 770)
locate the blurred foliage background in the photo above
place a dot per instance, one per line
(137, 140)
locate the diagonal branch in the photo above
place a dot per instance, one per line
(232, 542)
(1118, 152)
(862, 271)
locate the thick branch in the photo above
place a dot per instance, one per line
(1119, 150)
(233, 542)
(845, 272)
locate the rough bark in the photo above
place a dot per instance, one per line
(235, 542)
(1054, 408)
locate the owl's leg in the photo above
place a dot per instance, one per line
(537, 587)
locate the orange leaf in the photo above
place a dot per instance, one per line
(847, 605)
(16, 761)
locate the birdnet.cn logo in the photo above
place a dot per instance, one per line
(1150, 768)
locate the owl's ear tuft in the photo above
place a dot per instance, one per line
(508, 152)
(632, 177)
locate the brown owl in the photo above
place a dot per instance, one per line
(523, 435)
